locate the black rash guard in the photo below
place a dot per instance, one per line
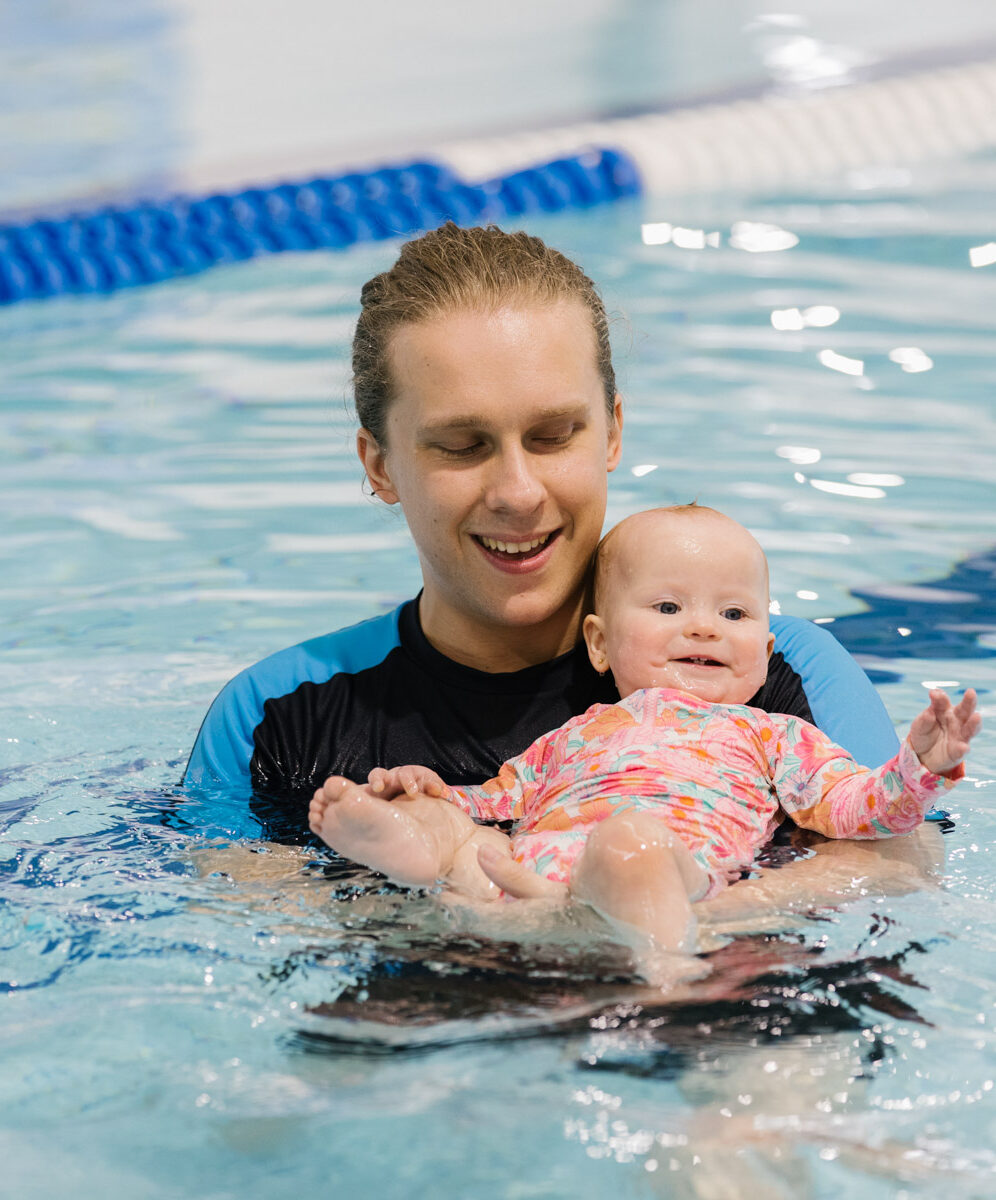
(378, 694)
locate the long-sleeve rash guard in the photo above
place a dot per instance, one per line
(378, 694)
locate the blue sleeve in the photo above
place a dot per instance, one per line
(223, 751)
(224, 745)
(841, 697)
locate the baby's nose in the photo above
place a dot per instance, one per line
(700, 624)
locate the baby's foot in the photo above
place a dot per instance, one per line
(394, 837)
(330, 790)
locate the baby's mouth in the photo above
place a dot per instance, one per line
(699, 660)
(515, 551)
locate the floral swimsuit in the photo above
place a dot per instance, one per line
(721, 776)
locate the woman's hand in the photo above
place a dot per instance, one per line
(941, 733)
(515, 880)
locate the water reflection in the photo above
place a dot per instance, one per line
(763, 988)
(816, 316)
(661, 233)
(983, 256)
(840, 362)
(797, 57)
(911, 359)
(949, 618)
(758, 237)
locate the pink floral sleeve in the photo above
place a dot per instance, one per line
(822, 788)
(509, 795)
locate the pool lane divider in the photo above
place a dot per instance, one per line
(112, 248)
(776, 140)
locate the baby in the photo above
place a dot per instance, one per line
(644, 807)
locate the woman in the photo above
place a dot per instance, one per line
(488, 410)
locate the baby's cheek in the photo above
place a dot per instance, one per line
(635, 668)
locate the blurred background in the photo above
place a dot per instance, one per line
(113, 99)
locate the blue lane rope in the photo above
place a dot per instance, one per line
(116, 248)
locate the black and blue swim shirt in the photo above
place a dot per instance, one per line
(379, 694)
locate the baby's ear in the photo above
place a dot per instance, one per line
(771, 643)
(594, 636)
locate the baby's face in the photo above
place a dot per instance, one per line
(683, 603)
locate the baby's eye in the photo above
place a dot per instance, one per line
(734, 614)
(667, 607)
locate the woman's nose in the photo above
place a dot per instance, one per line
(513, 484)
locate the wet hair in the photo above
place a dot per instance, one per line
(603, 551)
(450, 270)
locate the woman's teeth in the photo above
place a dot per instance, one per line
(513, 547)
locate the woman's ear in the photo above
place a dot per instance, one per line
(615, 434)
(594, 637)
(374, 463)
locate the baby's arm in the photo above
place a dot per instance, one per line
(822, 788)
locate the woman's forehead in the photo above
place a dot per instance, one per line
(470, 363)
(519, 324)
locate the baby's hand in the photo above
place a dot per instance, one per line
(941, 733)
(406, 781)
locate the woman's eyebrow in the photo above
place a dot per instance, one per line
(432, 428)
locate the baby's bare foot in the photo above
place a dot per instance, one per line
(330, 791)
(395, 837)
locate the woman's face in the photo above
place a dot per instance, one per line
(498, 445)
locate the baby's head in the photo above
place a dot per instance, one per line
(681, 601)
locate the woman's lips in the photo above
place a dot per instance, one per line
(505, 553)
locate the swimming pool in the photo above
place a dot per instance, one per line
(180, 497)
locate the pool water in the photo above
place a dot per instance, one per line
(181, 497)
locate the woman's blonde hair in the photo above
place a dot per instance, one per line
(452, 269)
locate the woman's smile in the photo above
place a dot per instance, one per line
(518, 556)
(499, 443)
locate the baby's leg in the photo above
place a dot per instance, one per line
(417, 841)
(639, 874)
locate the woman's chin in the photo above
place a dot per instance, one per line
(536, 610)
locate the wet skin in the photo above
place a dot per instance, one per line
(498, 447)
(684, 605)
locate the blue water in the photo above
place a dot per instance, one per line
(180, 497)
